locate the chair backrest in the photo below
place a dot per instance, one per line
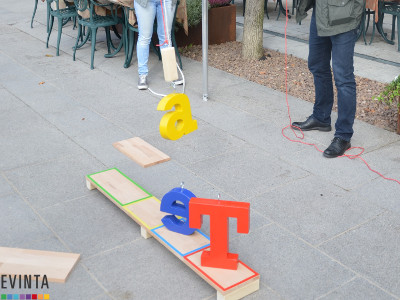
(81, 5)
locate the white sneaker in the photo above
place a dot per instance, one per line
(142, 83)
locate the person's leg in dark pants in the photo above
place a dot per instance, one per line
(343, 70)
(319, 58)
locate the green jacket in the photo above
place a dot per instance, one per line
(332, 16)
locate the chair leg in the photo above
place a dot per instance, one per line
(130, 47)
(77, 40)
(34, 12)
(244, 7)
(48, 16)
(93, 37)
(50, 29)
(60, 25)
(393, 27)
(398, 33)
(266, 8)
(108, 39)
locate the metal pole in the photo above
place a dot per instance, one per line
(205, 47)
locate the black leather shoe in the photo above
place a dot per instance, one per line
(311, 124)
(337, 148)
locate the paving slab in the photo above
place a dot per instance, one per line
(356, 289)
(247, 172)
(372, 250)
(5, 187)
(289, 266)
(53, 182)
(82, 224)
(149, 272)
(20, 223)
(314, 209)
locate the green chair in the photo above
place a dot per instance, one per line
(62, 15)
(390, 8)
(130, 38)
(93, 22)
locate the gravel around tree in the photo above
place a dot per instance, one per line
(270, 72)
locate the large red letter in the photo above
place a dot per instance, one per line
(219, 211)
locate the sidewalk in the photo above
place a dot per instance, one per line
(320, 228)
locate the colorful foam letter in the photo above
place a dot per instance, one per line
(175, 124)
(170, 204)
(219, 211)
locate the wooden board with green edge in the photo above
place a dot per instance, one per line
(144, 209)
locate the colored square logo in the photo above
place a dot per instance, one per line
(9, 297)
(3, 297)
(28, 297)
(46, 296)
(22, 297)
(40, 296)
(16, 297)
(34, 296)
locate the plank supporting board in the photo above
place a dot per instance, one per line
(144, 209)
(55, 265)
(141, 152)
(144, 233)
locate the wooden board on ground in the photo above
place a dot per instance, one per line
(141, 152)
(230, 284)
(55, 265)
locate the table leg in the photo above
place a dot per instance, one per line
(34, 12)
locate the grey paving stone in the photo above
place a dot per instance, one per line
(20, 224)
(56, 181)
(21, 120)
(385, 159)
(247, 172)
(99, 144)
(385, 193)
(315, 209)
(30, 147)
(160, 179)
(224, 117)
(5, 187)
(82, 224)
(78, 121)
(8, 101)
(264, 293)
(268, 136)
(289, 266)
(344, 172)
(207, 141)
(356, 289)
(372, 250)
(7, 29)
(146, 264)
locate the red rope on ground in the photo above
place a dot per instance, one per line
(300, 138)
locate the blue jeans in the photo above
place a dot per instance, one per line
(341, 48)
(145, 18)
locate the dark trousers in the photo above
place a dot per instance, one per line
(340, 48)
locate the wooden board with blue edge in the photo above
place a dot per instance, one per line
(144, 209)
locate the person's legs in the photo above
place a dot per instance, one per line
(343, 70)
(145, 18)
(319, 65)
(168, 9)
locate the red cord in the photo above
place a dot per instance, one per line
(299, 138)
(165, 28)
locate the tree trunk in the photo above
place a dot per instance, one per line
(253, 30)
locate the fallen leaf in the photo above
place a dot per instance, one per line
(49, 55)
(263, 72)
(40, 83)
(83, 119)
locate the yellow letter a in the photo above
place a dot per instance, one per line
(175, 124)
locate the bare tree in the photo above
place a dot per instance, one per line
(253, 30)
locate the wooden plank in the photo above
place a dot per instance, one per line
(230, 284)
(55, 265)
(117, 187)
(184, 244)
(146, 212)
(141, 152)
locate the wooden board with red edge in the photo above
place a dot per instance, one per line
(230, 284)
